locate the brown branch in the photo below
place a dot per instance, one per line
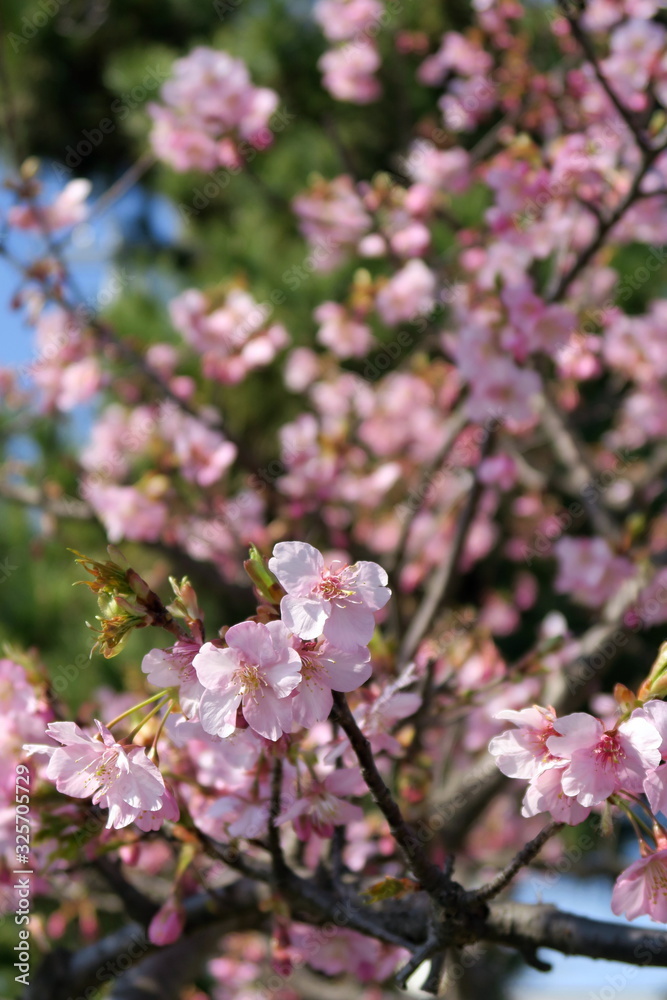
(279, 865)
(428, 874)
(580, 472)
(626, 114)
(526, 926)
(239, 907)
(604, 228)
(443, 579)
(519, 861)
(454, 427)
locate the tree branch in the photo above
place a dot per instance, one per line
(413, 851)
(519, 861)
(442, 581)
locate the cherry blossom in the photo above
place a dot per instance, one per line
(523, 752)
(642, 888)
(603, 762)
(119, 778)
(337, 601)
(341, 333)
(324, 669)
(319, 807)
(589, 570)
(343, 19)
(410, 293)
(255, 672)
(348, 71)
(210, 102)
(545, 793)
(174, 667)
(68, 209)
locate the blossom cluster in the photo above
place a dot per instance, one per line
(349, 68)
(577, 762)
(271, 677)
(435, 406)
(211, 110)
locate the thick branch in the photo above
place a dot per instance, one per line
(238, 907)
(524, 926)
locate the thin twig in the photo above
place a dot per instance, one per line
(626, 114)
(519, 861)
(580, 473)
(278, 863)
(454, 427)
(442, 581)
(428, 874)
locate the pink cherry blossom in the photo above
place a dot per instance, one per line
(319, 807)
(173, 667)
(348, 71)
(345, 951)
(332, 217)
(324, 669)
(409, 293)
(341, 20)
(523, 752)
(335, 601)
(202, 453)
(341, 332)
(126, 512)
(168, 923)
(446, 170)
(210, 102)
(151, 820)
(635, 47)
(655, 789)
(255, 672)
(233, 339)
(68, 209)
(642, 888)
(589, 570)
(545, 794)
(377, 718)
(118, 777)
(655, 711)
(456, 53)
(603, 762)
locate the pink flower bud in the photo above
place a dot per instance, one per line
(167, 924)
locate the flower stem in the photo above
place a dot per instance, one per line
(135, 708)
(143, 722)
(153, 749)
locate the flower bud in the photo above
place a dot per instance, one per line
(168, 923)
